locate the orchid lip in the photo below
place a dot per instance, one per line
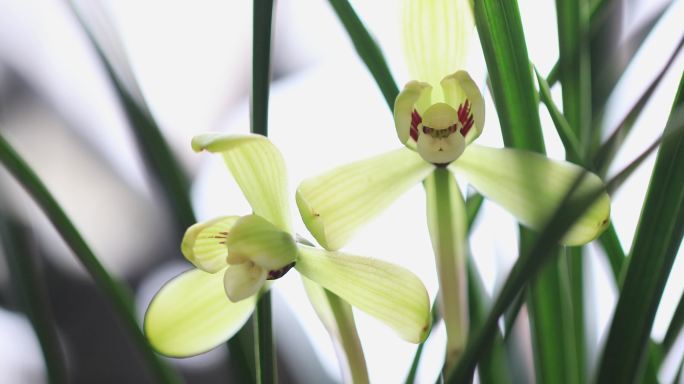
(278, 273)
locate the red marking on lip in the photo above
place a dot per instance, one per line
(465, 117)
(415, 120)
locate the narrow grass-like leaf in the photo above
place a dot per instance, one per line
(262, 24)
(658, 237)
(118, 296)
(368, 50)
(622, 54)
(566, 133)
(610, 242)
(161, 164)
(619, 135)
(528, 264)
(27, 277)
(675, 327)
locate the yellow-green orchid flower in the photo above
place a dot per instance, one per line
(235, 256)
(437, 117)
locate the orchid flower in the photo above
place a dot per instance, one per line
(236, 256)
(437, 117)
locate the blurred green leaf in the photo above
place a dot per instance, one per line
(675, 327)
(368, 50)
(29, 280)
(616, 255)
(162, 166)
(117, 294)
(618, 136)
(658, 237)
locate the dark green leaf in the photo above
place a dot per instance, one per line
(675, 327)
(658, 237)
(367, 49)
(162, 166)
(117, 294)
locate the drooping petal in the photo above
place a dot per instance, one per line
(335, 204)
(258, 168)
(447, 223)
(204, 244)
(531, 187)
(255, 239)
(458, 88)
(405, 105)
(436, 36)
(243, 280)
(385, 291)
(191, 315)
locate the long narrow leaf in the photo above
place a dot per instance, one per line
(367, 49)
(528, 264)
(162, 166)
(658, 237)
(675, 327)
(30, 284)
(114, 291)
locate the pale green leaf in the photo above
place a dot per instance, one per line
(259, 169)
(335, 204)
(531, 187)
(191, 315)
(385, 291)
(204, 244)
(254, 239)
(437, 36)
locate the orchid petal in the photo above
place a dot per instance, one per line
(335, 204)
(258, 168)
(204, 244)
(254, 239)
(437, 35)
(532, 186)
(191, 315)
(459, 87)
(385, 291)
(243, 280)
(404, 106)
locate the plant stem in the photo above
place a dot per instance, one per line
(266, 371)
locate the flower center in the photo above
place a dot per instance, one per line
(440, 132)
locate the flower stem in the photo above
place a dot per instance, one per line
(447, 224)
(266, 371)
(349, 338)
(118, 296)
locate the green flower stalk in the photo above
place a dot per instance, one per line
(236, 257)
(437, 117)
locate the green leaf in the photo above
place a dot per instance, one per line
(259, 169)
(565, 132)
(191, 315)
(447, 223)
(616, 255)
(204, 244)
(675, 327)
(437, 35)
(335, 204)
(385, 291)
(338, 319)
(531, 187)
(159, 160)
(618, 136)
(658, 237)
(29, 282)
(367, 49)
(117, 295)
